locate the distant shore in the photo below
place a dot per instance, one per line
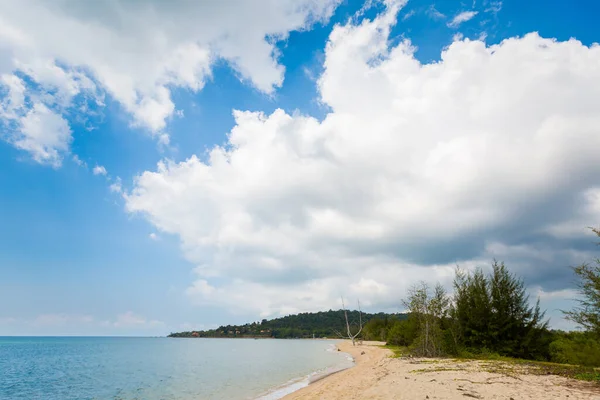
(379, 376)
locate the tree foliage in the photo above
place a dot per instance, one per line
(303, 325)
(580, 348)
(587, 313)
(398, 329)
(493, 312)
(486, 313)
(429, 309)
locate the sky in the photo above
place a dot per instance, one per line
(179, 165)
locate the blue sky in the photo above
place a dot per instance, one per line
(136, 249)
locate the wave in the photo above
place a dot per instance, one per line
(296, 384)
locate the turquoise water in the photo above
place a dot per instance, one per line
(83, 368)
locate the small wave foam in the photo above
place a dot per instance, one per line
(285, 389)
(299, 383)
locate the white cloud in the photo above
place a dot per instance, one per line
(462, 17)
(153, 236)
(408, 15)
(494, 7)
(130, 319)
(417, 167)
(565, 294)
(434, 13)
(457, 36)
(116, 186)
(43, 133)
(14, 99)
(75, 52)
(79, 161)
(99, 170)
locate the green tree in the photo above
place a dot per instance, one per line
(516, 328)
(472, 309)
(587, 313)
(494, 313)
(579, 348)
(429, 309)
(403, 333)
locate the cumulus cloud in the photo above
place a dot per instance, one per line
(416, 168)
(71, 53)
(99, 170)
(43, 133)
(462, 17)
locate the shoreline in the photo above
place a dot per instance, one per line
(377, 375)
(372, 353)
(299, 383)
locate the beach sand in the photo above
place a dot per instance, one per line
(378, 376)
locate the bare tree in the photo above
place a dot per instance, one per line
(349, 334)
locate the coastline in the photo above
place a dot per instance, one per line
(296, 384)
(376, 375)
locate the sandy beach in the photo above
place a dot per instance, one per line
(379, 376)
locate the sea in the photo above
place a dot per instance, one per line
(126, 368)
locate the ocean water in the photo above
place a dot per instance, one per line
(86, 368)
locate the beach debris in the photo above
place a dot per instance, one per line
(473, 395)
(362, 352)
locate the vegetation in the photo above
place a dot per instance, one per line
(430, 312)
(305, 325)
(486, 314)
(493, 313)
(490, 317)
(579, 348)
(587, 314)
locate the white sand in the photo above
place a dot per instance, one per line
(377, 376)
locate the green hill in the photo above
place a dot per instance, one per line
(304, 325)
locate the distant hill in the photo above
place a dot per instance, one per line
(304, 325)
